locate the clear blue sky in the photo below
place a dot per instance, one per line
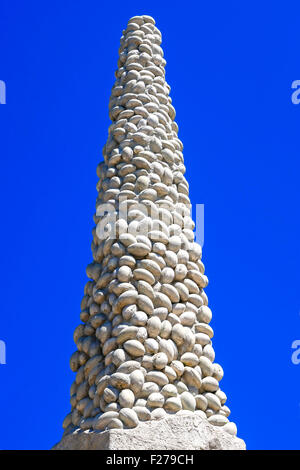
(230, 66)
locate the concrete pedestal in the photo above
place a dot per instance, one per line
(171, 433)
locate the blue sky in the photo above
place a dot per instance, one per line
(230, 66)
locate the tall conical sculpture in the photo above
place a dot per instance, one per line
(144, 347)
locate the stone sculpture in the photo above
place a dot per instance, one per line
(144, 347)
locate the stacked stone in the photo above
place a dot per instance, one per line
(144, 347)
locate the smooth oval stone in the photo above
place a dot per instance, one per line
(208, 351)
(128, 311)
(197, 349)
(148, 388)
(171, 292)
(180, 272)
(150, 265)
(74, 361)
(145, 304)
(169, 390)
(178, 334)
(118, 380)
(115, 423)
(202, 338)
(155, 400)
(204, 328)
(136, 381)
(166, 329)
(126, 398)
(82, 390)
(224, 409)
(193, 289)
(142, 412)
(173, 404)
(126, 260)
(78, 332)
(102, 420)
(153, 326)
(162, 300)
(110, 394)
(128, 367)
(210, 384)
(218, 420)
(182, 291)
(128, 297)
(160, 360)
(144, 288)
(159, 248)
(218, 372)
(178, 308)
(151, 346)
(222, 396)
(161, 313)
(192, 377)
(157, 377)
(166, 346)
(139, 318)
(170, 373)
(67, 421)
(178, 367)
(124, 274)
(213, 401)
(127, 333)
(204, 314)
(129, 417)
(144, 275)
(181, 387)
(189, 359)
(138, 249)
(134, 348)
(187, 318)
(158, 413)
(201, 402)
(167, 275)
(188, 401)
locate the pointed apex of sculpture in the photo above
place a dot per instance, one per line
(142, 37)
(140, 106)
(141, 59)
(141, 19)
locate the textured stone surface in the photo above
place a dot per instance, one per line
(171, 433)
(144, 344)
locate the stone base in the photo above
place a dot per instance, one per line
(171, 433)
